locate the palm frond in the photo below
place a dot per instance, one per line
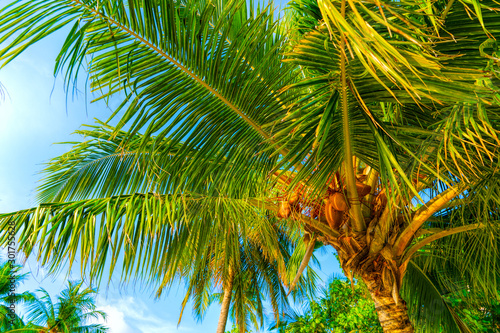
(140, 225)
(212, 89)
(427, 307)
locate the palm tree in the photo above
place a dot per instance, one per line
(259, 251)
(242, 297)
(71, 313)
(371, 125)
(9, 281)
(245, 276)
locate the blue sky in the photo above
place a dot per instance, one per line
(34, 114)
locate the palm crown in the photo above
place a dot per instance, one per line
(337, 119)
(71, 312)
(10, 277)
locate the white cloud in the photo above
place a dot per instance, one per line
(130, 315)
(115, 320)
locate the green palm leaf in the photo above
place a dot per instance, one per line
(428, 307)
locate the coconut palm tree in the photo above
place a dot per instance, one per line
(251, 278)
(9, 281)
(254, 281)
(371, 125)
(72, 311)
(242, 295)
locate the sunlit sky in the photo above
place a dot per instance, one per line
(35, 112)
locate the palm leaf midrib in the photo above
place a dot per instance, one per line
(65, 176)
(76, 170)
(186, 196)
(179, 65)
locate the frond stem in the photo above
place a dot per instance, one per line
(438, 235)
(447, 9)
(303, 264)
(358, 222)
(422, 214)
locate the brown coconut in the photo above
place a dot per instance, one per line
(363, 189)
(284, 209)
(333, 217)
(338, 201)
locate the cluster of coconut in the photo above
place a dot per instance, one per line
(331, 208)
(290, 204)
(336, 204)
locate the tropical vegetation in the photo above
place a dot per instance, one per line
(72, 312)
(342, 307)
(74, 309)
(10, 278)
(369, 126)
(482, 316)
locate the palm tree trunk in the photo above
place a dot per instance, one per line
(393, 317)
(226, 301)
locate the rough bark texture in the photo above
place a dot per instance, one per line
(393, 317)
(226, 301)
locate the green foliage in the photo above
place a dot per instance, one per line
(70, 313)
(483, 316)
(234, 329)
(220, 102)
(9, 281)
(340, 309)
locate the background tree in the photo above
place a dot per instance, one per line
(341, 308)
(72, 311)
(337, 121)
(252, 278)
(484, 316)
(10, 274)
